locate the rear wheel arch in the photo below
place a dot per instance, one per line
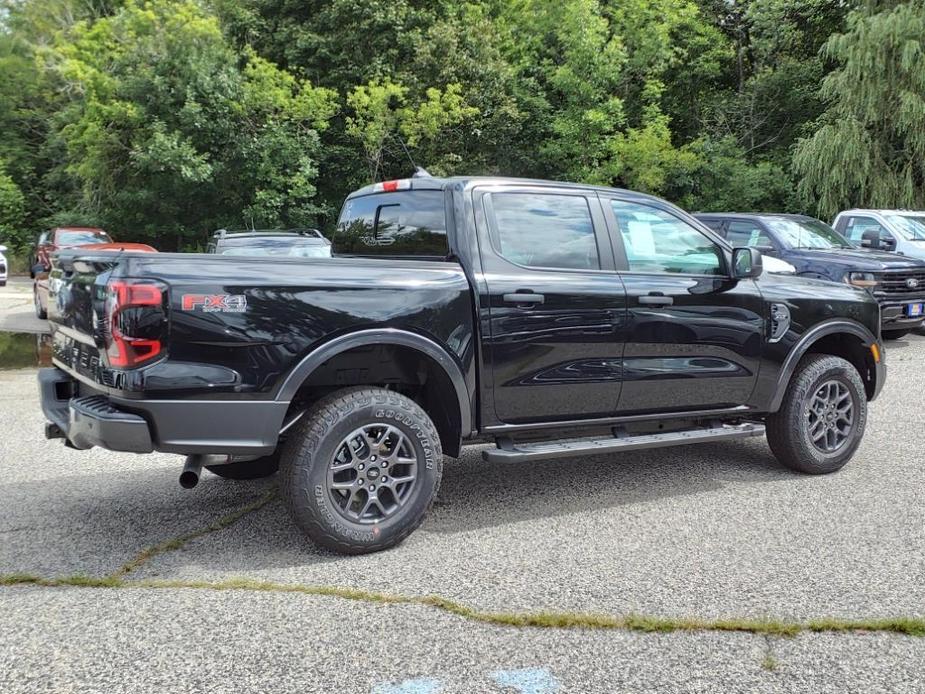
(840, 338)
(412, 363)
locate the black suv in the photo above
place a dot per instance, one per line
(816, 250)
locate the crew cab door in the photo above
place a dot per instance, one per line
(694, 335)
(554, 308)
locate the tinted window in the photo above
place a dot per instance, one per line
(656, 241)
(744, 233)
(404, 224)
(544, 230)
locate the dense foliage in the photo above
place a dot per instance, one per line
(162, 120)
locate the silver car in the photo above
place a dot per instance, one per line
(4, 267)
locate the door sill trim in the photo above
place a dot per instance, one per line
(738, 410)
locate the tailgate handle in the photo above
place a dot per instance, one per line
(656, 300)
(524, 298)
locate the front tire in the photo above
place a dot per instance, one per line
(895, 334)
(821, 421)
(361, 470)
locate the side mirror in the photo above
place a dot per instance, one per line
(746, 263)
(871, 238)
(888, 242)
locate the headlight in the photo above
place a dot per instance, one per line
(861, 279)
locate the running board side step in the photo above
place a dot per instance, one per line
(509, 451)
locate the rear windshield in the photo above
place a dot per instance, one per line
(80, 238)
(280, 247)
(405, 224)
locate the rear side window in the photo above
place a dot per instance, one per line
(544, 230)
(406, 224)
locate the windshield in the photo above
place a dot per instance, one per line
(287, 248)
(82, 238)
(911, 228)
(806, 233)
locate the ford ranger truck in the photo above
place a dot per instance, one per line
(552, 320)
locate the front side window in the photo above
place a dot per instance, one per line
(657, 241)
(544, 230)
(81, 238)
(408, 223)
(858, 226)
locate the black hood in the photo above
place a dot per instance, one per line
(858, 259)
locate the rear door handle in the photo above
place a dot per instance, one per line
(524, 298)
(656, 300)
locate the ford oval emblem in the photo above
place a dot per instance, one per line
(912, 283)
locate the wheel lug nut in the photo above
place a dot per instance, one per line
(372, 487)
(360, 481)
(361, 466)
(385, 479)
(384, 464)
(372, 457)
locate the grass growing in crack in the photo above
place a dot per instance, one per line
(769, 662)
(909, 626)
(176, 543)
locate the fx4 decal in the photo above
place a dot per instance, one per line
(215, 303)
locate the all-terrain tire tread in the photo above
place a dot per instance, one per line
(309, 432)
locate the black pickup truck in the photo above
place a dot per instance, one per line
(550, 319)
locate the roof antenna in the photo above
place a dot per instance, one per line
(419, 171)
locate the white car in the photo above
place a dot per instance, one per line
(899, 231)
(3, 267)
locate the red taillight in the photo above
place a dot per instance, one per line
(133, 335)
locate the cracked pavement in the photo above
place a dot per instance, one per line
(711, 531)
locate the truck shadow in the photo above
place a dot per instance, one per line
(93, 524)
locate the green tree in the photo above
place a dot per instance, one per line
(869, 147)
(170, 134)
(13, 233)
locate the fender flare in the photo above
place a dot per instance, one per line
(382, 336)
(808, 339)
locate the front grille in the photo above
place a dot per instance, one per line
(896, 284)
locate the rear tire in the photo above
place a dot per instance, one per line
(895, 334)
(361, 470)
(821, 421)
(247, 469)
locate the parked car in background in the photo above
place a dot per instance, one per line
(40, 284)
(899, 231)
(816, 250)
(288, 243)
(62, 237)
(4, 267)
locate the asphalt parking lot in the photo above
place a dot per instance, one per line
(118, 580)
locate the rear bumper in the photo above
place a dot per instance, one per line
(91, 420)
(85, 418)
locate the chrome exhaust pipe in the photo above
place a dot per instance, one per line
(189, 478)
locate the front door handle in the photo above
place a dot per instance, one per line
(656, 300)
(524, 298)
